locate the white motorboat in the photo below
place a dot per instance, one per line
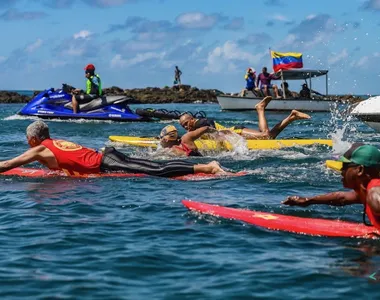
(317, 103)
(368, 111)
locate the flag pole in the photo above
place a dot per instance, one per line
(270, 55)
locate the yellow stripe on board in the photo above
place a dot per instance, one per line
(334, 165)
(224, 145)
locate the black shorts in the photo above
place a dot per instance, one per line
(85, 98)
(115, 161)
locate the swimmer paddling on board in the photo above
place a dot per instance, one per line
(360, 172)
(75, 159)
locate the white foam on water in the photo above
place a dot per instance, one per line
(238, 143)
(18, 117)
(306, 172)
(82, 121)
(241, 122)
(342, 128)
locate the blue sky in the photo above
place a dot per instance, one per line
(137, 43)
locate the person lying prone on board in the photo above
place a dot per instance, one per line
(264, 133)
(73, 158)
(360, 172)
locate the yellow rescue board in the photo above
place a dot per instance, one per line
(334, 165)
(215, 145)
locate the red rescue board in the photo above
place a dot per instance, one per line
(308, 226)
(44, 173)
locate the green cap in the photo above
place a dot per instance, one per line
(361, 154)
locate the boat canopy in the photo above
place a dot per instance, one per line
(299, 74)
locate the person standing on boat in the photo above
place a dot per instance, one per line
(93, 88)
(177, 75)
(264, 79)
(250, 78)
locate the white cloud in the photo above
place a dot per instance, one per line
(362, 62)
(142, 46)
(310, 17)
(281, 18)
(106, 3)
(338, 57)
(372, 4)
(196, 52)
(321, 38)
(74, 51)
(288, 41)
(51, 64)
(196, 20)
(224, 57)
(2, 58)
(37, 44)
(83, 34)
(119, 61)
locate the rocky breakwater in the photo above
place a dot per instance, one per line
(152, 95)
(149, 95)
(13, 97)
(175, 94)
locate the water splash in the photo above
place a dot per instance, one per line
(342, 127)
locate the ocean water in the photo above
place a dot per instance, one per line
(133, 239)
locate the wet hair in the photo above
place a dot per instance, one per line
(39, 130)
(185, 116)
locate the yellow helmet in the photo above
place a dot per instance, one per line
(169, 132)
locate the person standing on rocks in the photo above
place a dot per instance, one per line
(177, 75)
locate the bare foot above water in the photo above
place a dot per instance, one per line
(263, 103)
(297, 115)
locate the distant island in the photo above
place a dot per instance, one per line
(153, 95)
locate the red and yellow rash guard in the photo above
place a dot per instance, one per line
(374, 220)
(73, 158)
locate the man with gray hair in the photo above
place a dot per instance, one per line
(57, 154)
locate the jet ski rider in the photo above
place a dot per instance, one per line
(93, 88)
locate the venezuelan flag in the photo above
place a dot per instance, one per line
(286, 61)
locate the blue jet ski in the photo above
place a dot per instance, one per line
(56, 104)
